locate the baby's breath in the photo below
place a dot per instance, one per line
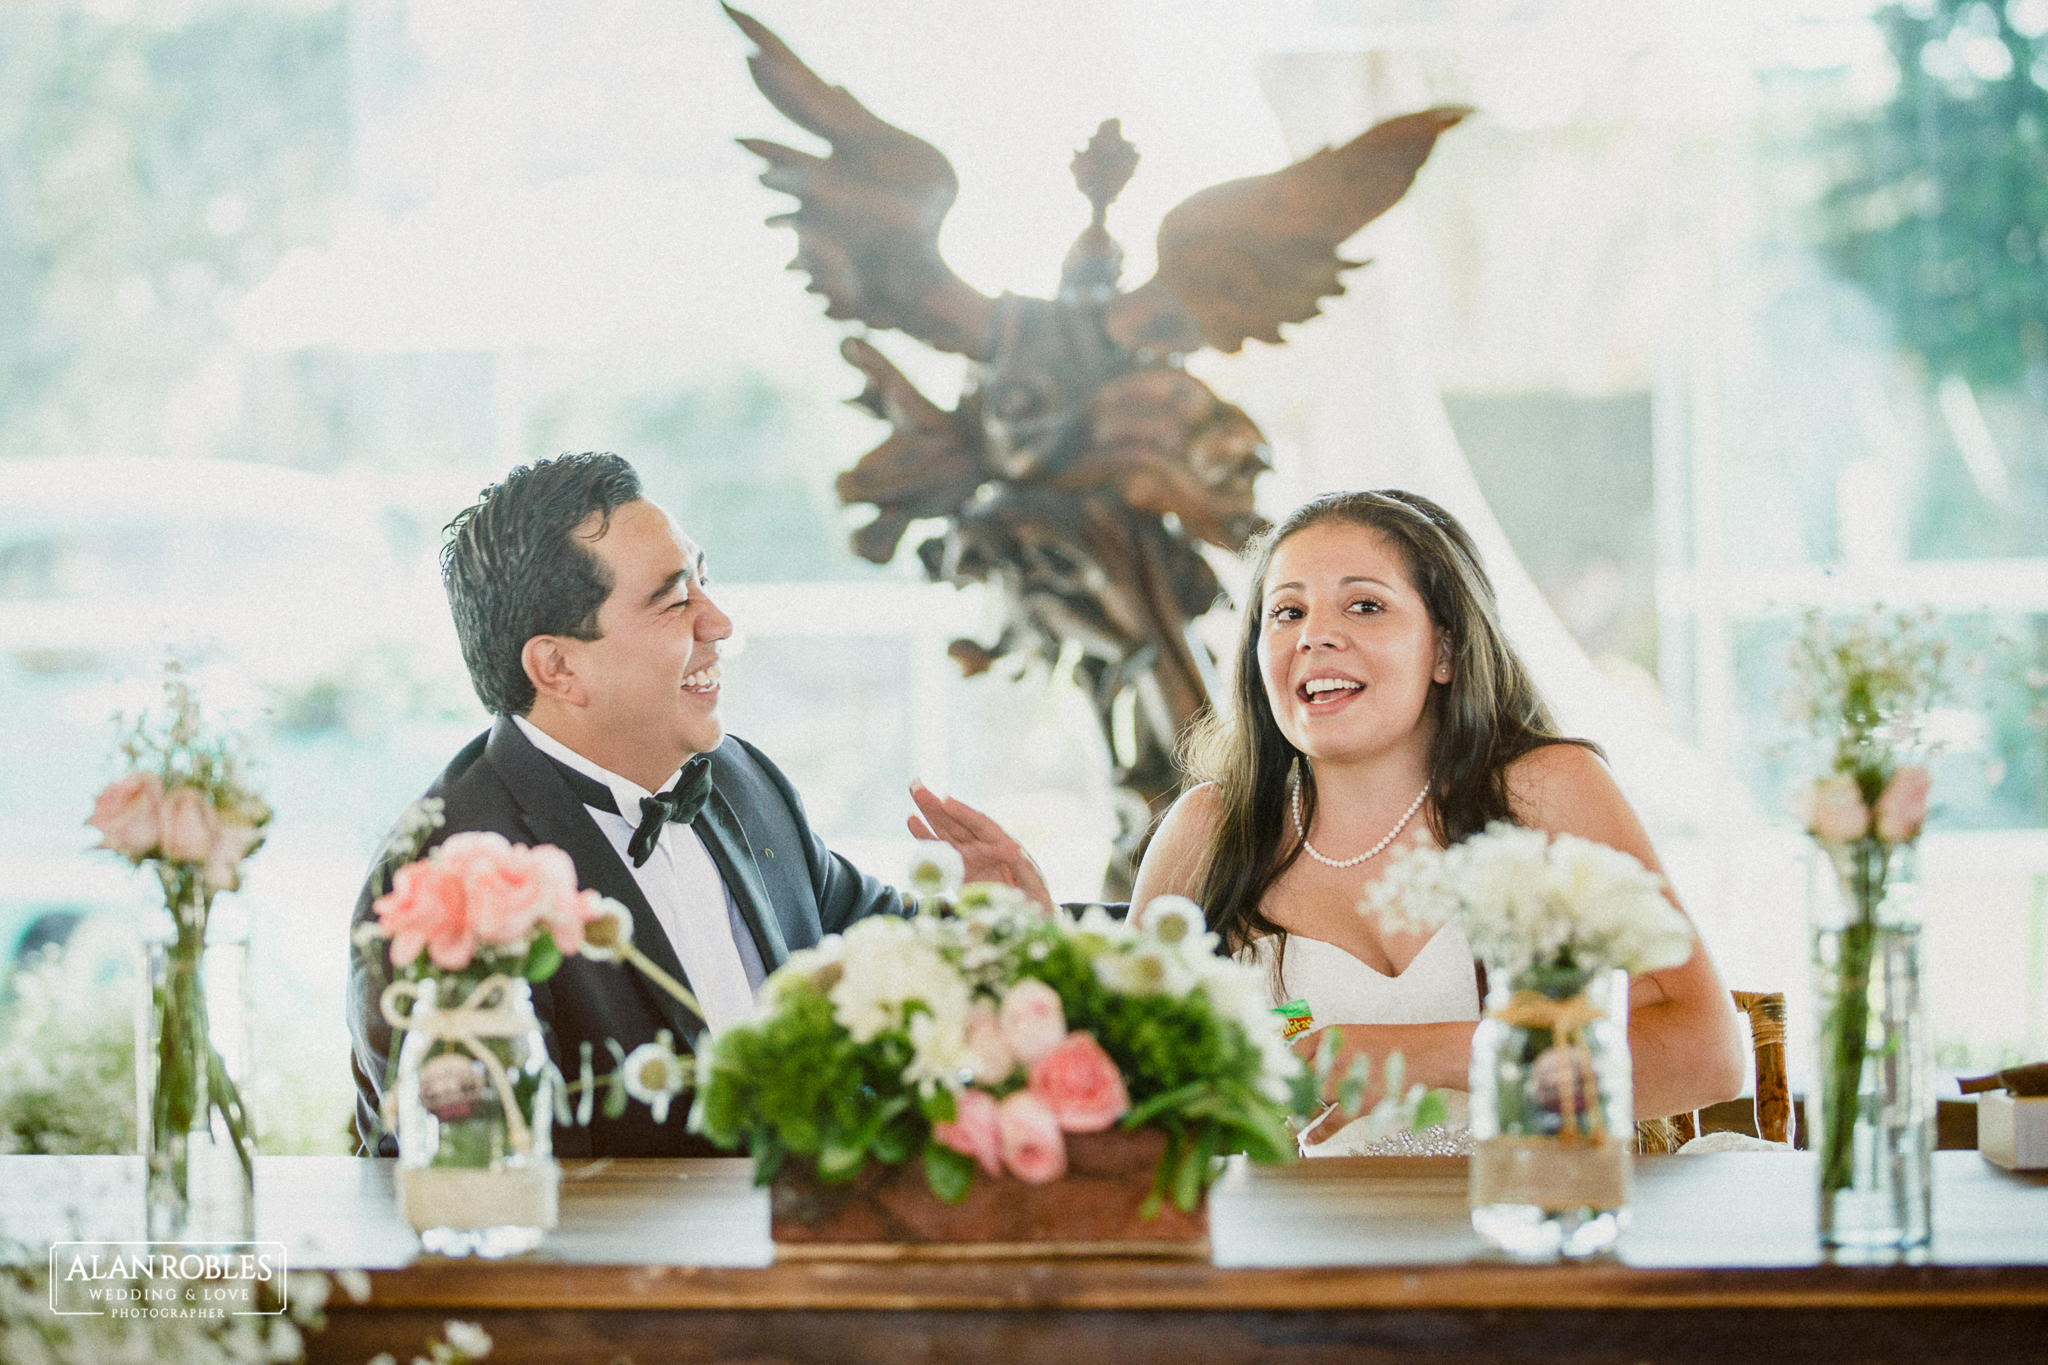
(1863, 688)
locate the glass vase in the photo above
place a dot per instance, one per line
(191, 1061)
(1872, 1108)
(476, 1099)
(1552, 1113)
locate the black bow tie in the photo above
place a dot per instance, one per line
(678, 805)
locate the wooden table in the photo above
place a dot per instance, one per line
(1366, 1259)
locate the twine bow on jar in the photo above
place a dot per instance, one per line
(487, 1013)
(1567, 1020)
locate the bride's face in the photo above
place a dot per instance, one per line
(1346, 647)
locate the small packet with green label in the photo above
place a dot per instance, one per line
(1296, 1017)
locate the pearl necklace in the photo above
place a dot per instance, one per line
(1294, 791)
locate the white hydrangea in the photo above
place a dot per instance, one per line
(885, 964)
(939, 1052)
(1527, 899)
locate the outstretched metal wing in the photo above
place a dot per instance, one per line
(868, 216)
(1238, 259)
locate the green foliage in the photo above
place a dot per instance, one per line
(543, 958)
(1188, 1069)
(1939, 205)
(1862, 688)
(67, 1062)
(950, 1174)
(798, 1083)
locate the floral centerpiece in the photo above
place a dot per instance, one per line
(1559, 922)
(470, 1085)
(1862, 689)
(185, 809)
(994, 1050)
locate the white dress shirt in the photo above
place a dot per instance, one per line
(690, 900)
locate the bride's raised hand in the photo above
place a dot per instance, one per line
(986, 850)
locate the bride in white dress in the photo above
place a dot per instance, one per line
(1438, 986)
(1376, 704)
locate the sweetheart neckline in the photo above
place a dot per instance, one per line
(1350, 956)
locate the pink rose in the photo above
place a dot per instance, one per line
(224, 861)
(975, 1130)
(988, 1051)
(188, 826)
(1902, 808)
(1080, 1085)
(1033, 1147)
(1033, 1022)
(425, 909)
(459, 853)
(127, 814)
(566, 909)
(1835, 812)
(506, 891)
(565, 917)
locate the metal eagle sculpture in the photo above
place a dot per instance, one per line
(1082, 465)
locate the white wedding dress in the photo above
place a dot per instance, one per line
(1439, 986)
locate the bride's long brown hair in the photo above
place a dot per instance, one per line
(1488, 715)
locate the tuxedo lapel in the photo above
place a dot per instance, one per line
(726, 841)
(556, 817)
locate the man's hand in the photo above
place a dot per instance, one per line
(989, 854)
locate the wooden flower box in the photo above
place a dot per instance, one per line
(888, 1212)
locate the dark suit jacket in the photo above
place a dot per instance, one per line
(789, 887)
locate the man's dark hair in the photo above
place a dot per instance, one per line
(514, 568)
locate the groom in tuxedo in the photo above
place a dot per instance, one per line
(589, 634)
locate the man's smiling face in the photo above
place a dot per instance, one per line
(652, 674)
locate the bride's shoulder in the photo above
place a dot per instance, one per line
(1203, 801)
(1191, 822)
(1567, 789)
(1174, 857)
(1556, 771)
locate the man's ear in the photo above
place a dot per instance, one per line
(551, 671)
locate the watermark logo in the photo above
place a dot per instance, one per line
(194, 1280)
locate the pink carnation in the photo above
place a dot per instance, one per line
(1902, 808)
(127, 814)
(1033, 1021)
(1034, 1148)
(975, 1130)
(1080, 1085)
